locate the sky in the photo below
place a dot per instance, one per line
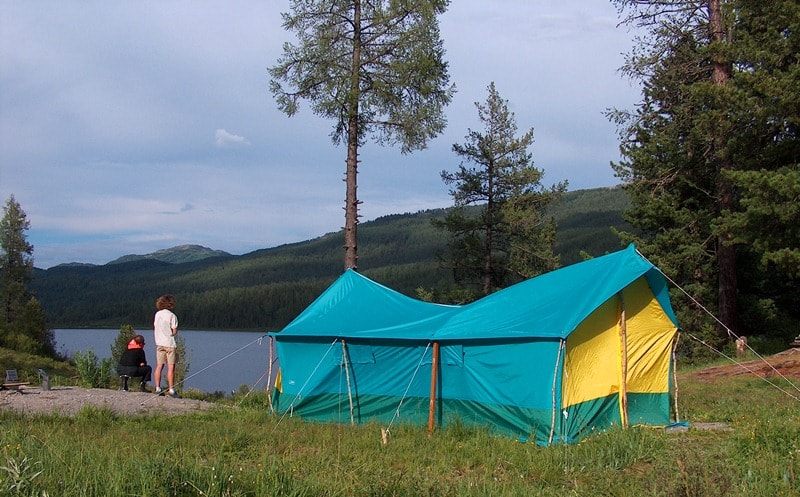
(132, 126)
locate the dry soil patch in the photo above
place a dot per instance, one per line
(785, 364)
(69, 400)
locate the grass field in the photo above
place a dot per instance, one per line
(247, 451)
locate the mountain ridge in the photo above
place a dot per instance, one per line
(269, 287)
(175, 255)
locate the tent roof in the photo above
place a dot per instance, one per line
(355, 306)
(549, 306)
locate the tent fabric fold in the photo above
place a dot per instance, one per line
(502, 360)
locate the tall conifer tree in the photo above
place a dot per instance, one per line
(22, 320)
(16, 258)
(711, 128)
(375, 68)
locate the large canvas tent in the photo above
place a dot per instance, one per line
(551, 359)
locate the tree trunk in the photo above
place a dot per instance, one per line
(726, 253)
(351, 197)
(489, 242)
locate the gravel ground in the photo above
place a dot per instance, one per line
(69, 400)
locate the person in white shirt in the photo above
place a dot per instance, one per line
(165, 326)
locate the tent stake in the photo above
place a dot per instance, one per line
(434, 368)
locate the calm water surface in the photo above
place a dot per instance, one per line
(218, 360)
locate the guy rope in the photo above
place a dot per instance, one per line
(736, 337)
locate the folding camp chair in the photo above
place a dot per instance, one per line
(12, 381)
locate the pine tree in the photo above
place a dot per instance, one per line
(711, 150)
(374, 68)
(16, 259)
(22, 320)
(508, 238)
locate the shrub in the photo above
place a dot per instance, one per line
(126, 333)
(91, 372)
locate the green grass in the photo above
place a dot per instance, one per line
(250, 452)
(28, 366)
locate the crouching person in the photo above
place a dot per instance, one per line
(133, 363)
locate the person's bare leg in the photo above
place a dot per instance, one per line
(157, 375)
(171, 376)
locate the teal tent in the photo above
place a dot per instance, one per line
(551, 359)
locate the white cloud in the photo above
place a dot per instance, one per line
(223, 139)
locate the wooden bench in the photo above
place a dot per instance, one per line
(12, 381)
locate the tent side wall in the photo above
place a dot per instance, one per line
(506, 387)
(594, 365)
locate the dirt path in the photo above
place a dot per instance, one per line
(70, 400)
(786, 363)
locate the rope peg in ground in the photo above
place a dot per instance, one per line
(385, 436)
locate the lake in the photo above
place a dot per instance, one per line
(219, 361)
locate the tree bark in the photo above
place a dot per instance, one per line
(726, 253)
(351, 176)
(489, 242)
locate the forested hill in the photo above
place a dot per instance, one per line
(265, 289)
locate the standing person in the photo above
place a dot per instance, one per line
(165, 326)
(133, 364)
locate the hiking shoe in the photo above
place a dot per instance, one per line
(173, 393)
(158, 391)
(143, 388)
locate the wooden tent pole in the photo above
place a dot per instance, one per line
(432, 405)
(269, 377)
(555, 383)
(623, 388)
(675, 374)
(347, 377)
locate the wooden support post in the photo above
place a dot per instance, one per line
(675, 374)
(347, 377)
(432, 405)
(555, 384)
(270, 384)
(623, 387)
